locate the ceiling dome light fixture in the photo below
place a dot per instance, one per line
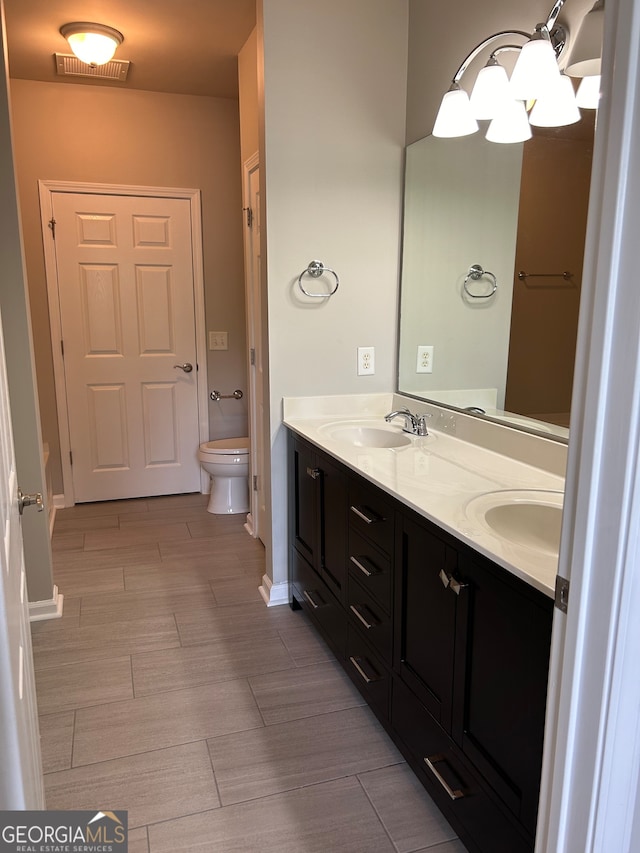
(93, 44)
(535, 77)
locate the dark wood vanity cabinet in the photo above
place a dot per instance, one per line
(450, 650)
(472, 645)
(318, 518)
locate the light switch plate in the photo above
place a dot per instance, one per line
(218, 340)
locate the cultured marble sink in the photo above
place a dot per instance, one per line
(528, 517)
(366, 434)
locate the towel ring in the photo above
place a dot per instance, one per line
(476, 272)
(315, 269)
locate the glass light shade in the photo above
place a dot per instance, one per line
(491, 88)
(557, 107)
(454, 116)
(511, 124)
(588, 94)
(94, 44)
(536, 70)
(92, 48)
(586, 53)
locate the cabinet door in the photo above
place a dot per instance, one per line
(305, 482)
(333, 525)
(505, 685)
(425, 618)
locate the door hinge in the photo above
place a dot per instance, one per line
(562, 593)
(62, 348)
(52, 225)
(70, 458)
(252, 355)
(255, 482)
(249, 217)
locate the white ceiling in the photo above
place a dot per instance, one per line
(177, 46)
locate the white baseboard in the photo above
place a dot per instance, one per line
(248, 525)
(50, 608)
(274, 594)
(58, 501)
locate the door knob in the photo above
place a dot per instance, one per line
(186, 367)
(29, 500)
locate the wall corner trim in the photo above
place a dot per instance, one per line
(274, 594)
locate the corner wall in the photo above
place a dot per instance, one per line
(70, 132)
(334, 122)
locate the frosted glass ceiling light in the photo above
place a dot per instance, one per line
(511, 124)
(585, 56)
(491, 87)
(93, 44)
(536, 70)
(558, 107)
(588, 94)
(454, 116)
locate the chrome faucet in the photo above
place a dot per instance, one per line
(414, 424)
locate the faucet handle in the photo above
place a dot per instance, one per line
(421, 423)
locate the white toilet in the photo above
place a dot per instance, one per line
(227, 461)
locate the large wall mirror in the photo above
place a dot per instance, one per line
(503, 345)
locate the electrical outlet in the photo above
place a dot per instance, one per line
(424, 363)
(366, 361)
(218, 340)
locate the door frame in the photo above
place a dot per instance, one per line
(253, 519)
(46, 189)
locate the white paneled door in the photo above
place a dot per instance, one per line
(125, 284)
(21, 774)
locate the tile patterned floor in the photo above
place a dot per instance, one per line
(170, 690)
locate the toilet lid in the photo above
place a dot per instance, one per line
(227, 446)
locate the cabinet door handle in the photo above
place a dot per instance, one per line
(431, 761)
(309, 598)
(314, 473)
(357, 662)
(368, 519)
(457, 586)
(362, 567)
(355, 609)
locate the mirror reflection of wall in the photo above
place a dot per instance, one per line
(507, 208)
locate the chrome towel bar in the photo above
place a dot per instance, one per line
(315, 269)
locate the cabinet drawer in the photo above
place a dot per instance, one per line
(368, 672)
(370, 619)
(371, 568)
(313, 594)
(371, 514)
(450, 781)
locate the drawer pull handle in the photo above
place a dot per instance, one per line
(366, 678)
(431, 761)
(313, 603)
(355, 609)
(362, 567)
(366, 518)
(314, 473)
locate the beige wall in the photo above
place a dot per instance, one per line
(67, 132)
(334, 114)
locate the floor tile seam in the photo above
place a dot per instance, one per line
(102, 655)
(73, 740)
(224, 680)
(213, 771)
(77, 663)
(134, 755)
(378, 815)
(315, 783)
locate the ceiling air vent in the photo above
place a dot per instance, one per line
(68, 65)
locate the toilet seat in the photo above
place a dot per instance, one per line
(226, 447)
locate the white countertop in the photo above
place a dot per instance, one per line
(438, 476)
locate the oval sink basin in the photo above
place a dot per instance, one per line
(366, 435)
(530, 518)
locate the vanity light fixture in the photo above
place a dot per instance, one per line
(93, 44)
(536, 78)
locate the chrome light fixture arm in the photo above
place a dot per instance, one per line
(480, 47)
